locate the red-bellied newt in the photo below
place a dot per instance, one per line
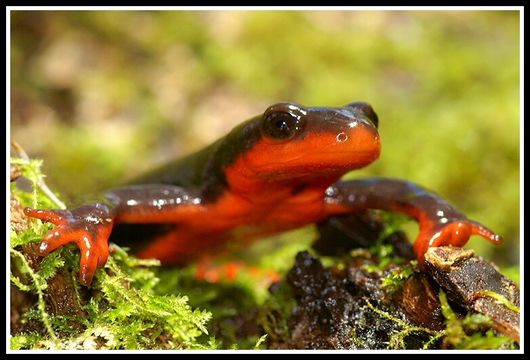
(279, 170)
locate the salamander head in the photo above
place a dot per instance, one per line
(297, 141)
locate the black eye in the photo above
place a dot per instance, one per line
(280, 125)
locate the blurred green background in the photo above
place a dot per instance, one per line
(105, 95)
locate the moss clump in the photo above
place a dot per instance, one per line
(470, 331)
(120, 310)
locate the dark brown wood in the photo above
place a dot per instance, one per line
(470, 281)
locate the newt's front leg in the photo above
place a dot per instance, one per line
(440, 223)
(89, 226)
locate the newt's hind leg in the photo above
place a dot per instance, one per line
(228, 272)
(176, 247)
(181, 247)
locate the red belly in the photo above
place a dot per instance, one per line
(234, 219)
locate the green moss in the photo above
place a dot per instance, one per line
(231, 303)
(122, 310)
(276, 312)
(394, 280)
(471, 331)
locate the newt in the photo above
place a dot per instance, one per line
(277, 171)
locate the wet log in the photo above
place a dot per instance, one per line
(350, 307)
(477, 285)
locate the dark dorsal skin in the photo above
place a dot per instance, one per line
(277, 171)
(203, 171)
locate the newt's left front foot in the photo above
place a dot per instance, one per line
(440, 223)
(454, 233)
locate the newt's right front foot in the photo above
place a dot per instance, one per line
(88, 226)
